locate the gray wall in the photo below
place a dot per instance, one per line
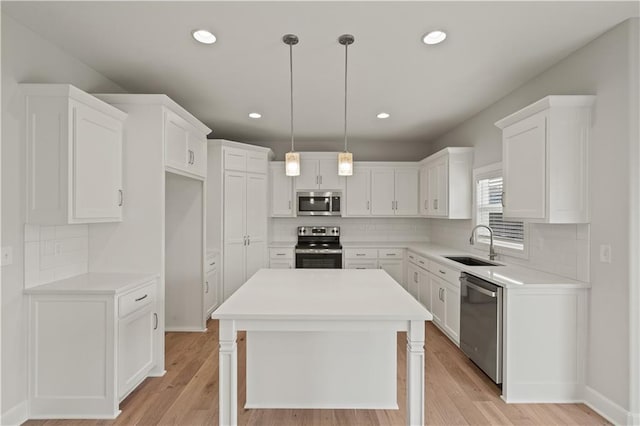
(26, 58)
(601, 68)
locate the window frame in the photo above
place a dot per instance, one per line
(482, 244)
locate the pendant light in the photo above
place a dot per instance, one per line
(292, 158)
(345, 159)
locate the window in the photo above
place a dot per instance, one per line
(508, 235)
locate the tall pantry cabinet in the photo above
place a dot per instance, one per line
(237, 227)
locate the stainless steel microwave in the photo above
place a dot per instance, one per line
(319, 203)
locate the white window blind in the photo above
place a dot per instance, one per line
(506, 233)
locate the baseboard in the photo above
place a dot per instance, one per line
(16, 415)
(607, 408)
(184, 330)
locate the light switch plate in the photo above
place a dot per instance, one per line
(605, 253)
(7, 255)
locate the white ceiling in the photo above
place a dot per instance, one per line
(492, 48)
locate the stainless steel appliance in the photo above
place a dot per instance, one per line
(318, 203)
(319, 247)
(481, 324)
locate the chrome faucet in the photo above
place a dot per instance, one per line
(472, 240)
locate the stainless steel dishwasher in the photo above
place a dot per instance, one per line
(481, 324)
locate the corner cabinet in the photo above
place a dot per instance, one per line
(545, 157)
(445, 184)
(74, 156)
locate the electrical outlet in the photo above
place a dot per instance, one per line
(605, 253)
(7, 255)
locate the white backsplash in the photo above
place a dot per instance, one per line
(354, 229)
(557, 249)
(52, 253)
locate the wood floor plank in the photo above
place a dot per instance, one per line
(457, 393)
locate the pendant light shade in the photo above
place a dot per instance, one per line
(345, 159)
(292, 158)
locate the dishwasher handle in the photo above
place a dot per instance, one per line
(482, 290)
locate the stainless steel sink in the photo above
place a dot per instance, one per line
(471, 261)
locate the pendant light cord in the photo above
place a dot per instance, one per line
(291, 91)
(346, 49)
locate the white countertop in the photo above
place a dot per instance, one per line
(321, 294)
(379, 244)
(93, 283)
(508, 276)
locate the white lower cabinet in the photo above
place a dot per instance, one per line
(281, 258)
(212, 291)
(391, 260)
(393, 267)
(445, 303)
(90, 345)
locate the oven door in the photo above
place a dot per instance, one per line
(318, 260)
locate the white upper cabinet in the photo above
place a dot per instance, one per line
(545, 150)
(445, 184)
(319, 171)
(376, 190)
(282, 202)
(74, 156)
(185, 147)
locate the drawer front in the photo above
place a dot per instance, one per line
(280, 253)
(390, 253)
(360, 264)
(448, 274)
(281, 264)
(212, 262)
(361, 253)
(136, 299)
(416, 259)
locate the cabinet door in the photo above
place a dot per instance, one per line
(256, 223)
(432, 189)
(452, 312)
(96, 182)
(281, 191)
(524, 168)
(135, 348)
(382, 192)
(235, 159)
(437, 299)
(425, 289)
(413, 280)
(406, 192)
(210, 292)
(442, 200)
(424, 191)
(176, 135)
(197, 151)
(309, 178)
(358, 195)
(257, 162)
(281, 264)
(393, 268)
(234, 231)
(328, 172)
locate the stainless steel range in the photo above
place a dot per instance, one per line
(319, 247)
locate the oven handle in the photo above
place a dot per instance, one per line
(318, 251)
(481, 289)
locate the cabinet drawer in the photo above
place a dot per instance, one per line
(390, 253)
(281, 264)
(361, 264)
(280, 253)
(416, 259)
(136, 299)
(212, 262)
(448, 274)
(361, 254)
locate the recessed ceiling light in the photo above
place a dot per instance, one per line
(255, 115)
(434, 37)
(383, 115)
(204, 36)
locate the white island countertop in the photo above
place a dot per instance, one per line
(322, 294)
(93, 283)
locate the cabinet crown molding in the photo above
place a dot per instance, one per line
(562, 101)
(240, 145)
(446, 151)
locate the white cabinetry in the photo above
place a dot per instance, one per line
(281, 185)
(391, 260)
(185, 146)
(91, 342)
(445, 184)
(382, 189)
(74, 156)
(238, 225)
(212, 291)
(545, 156)
(358, 192)
(319, 171)
(281, 258)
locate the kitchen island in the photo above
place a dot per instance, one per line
(330, 328)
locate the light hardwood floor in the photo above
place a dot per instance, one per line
(457, 393)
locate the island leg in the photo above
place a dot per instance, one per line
(415, 374)
(228, 367)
